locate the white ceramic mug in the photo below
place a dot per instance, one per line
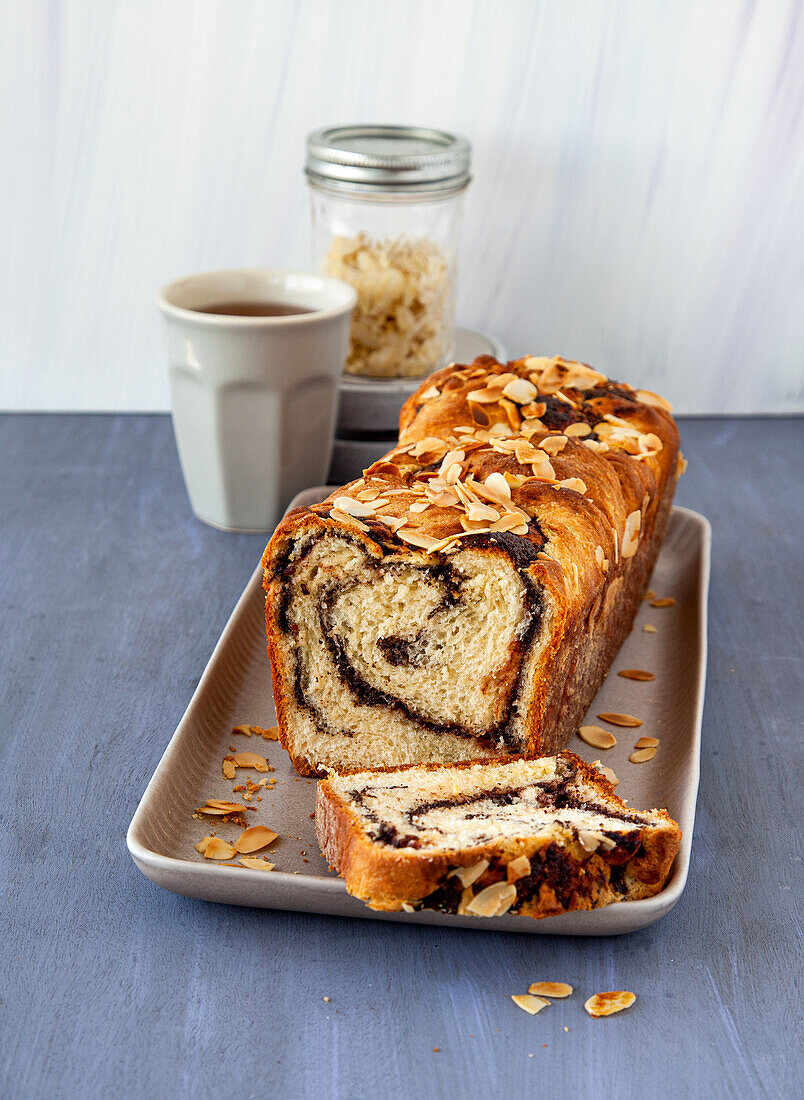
(254, 399)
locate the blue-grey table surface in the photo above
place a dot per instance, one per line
(113, 596)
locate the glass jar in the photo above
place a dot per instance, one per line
(386, 203)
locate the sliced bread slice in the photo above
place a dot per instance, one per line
(533, 837)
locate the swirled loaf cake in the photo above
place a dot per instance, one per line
(466, 596)
(534, 837)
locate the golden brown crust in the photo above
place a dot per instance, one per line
(603, 495)
(570, 878)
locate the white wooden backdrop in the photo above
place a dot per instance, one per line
(637, 199)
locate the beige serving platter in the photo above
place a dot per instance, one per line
(235, 689)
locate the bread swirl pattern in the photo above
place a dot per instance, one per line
(466, 596)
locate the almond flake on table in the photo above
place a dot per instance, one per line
(271, 734)
(641, 756)
(212, 847)
(636, 674)
(597, 737)
(529, 1003)
(254, 838)
(649, 628)
(663, 601)
(256, 863)
(252, 760)
(606, 1004)
(647, 743)
(550, 989)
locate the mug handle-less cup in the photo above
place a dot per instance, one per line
(254, 399)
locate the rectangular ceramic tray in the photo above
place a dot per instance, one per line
(236, 689)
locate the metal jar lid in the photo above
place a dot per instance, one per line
(399, 160)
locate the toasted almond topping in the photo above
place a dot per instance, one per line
(626, 720)
(228, 768)
(419, 506)
(664, 601)
(647, 397)
(641, 756)
(550, 989)
(631, 534)
(609, 774)
(406, 908)
(351, 507)
(575, 483)
(605, 1004)
(636, 674)
(520, 390)
(578, 430)
(251, 760)
(257, 863)
(518, 868)
(466, 897)
(498, 484)
(482, 512)
(429, 393)
(467, 875)
(553, 444)
(344, 517)
(647, 743)
(649, 628)
(417, 538)
(493, 901)
(251, 840)
(212, 847)
(529, 1003)
(596, 737)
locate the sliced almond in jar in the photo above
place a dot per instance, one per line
(647, 743)
(467, 875)
(627, 721)
(529, 1003)
(251, 840)
(550, 989)
(605, 1004)
(641, 756)
(636, 674)
(518, 868)
(493, 901)
(596, 737)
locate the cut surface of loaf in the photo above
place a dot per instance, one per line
(533, 837)
(465, 598)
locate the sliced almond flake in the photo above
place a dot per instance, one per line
(647, 397)
(357, 508)
(450, 458)
(631, 534)
(482, 512)
(212, 847)
(520, 390)
(600, 555)
(417, 538)
(597, 737)
(510, 522)
(452, 473)
(211, 811)
(368, 494)
(444, 499)
(616, 544)
(429, 443)
(575, 483)
(466, 897)
(493, 901)
(649, 595)
(256, 863)
(627, 721)
(251, 760)
(534, 410)
(681, 465)
(406, 908)
(597, 445)
(605, 1004)
(394, 522)
(467, 875)
(647, 743)
(577, 430)
(251, 840)
(497, 483)
(517, 868)
(529, 1003)
(350, 521)
(553, 444)
(636, 674)
(429, 393)
(246, 731)
(225, 804)
(641, 756)
(550, 989)
(512, 413)
(487, 396)
(542, 468)
(664, 601)
(649, 628)
(419, 506)
(609, 774)
(228, 768)
(513, 481)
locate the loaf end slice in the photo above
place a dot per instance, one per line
(533, 837)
